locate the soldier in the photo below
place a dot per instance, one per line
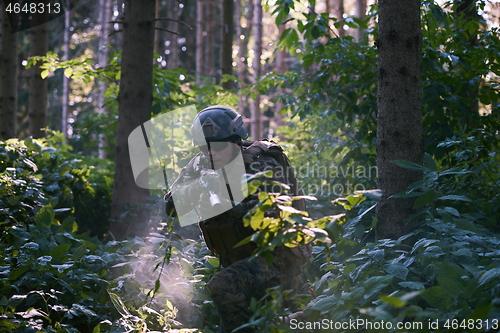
(220, 134)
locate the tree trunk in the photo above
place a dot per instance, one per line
(105, 15)
(188, 37)
(38, 86)
(158, 33)
(361, 14)
(135, 98)
(227, 42)
(241, 56)
(8, 78)
(280, 69)
(199, 41)
(209, 34)
(173, 56)
(399, 132)
(467, 12)
(256, 129)
(65, 90)
(339, 15)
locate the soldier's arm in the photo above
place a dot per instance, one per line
(185, 191)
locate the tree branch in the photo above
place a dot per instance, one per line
(162, 29)
(174, 20)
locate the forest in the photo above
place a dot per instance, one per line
(389, 112)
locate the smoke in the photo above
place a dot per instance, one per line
(167, 262)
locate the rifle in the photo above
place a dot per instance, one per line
(210, 183)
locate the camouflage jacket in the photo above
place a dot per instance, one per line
(224, 231)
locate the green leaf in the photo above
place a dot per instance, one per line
(119, 305)
(454, 197)
(398, 270)
(60, 251)
(410, 165)
(492, 274)
(424, 199)
(424, 242)
(45, 216)
(374, 195)
(291, 210)
(452, 211)
(436, 297)
(44, 73)
(326, 303)
(481, 313)
(394, 301)
(349, 268)
(374, 284)
(68, 72)
(79, 252)
(433, 252)
(450, 284)
(412, 284)
(213, 261)
(429, 162)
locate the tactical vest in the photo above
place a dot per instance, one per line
(223, 233)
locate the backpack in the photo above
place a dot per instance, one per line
(252, 150)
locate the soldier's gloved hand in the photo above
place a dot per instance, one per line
(204, 207)
(208, 206)
(210, 180)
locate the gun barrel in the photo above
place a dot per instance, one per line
(215, 201)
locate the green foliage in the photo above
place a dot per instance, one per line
(334, 93)
(170, 90)
(445, 271)
(51, 279)
(460, 74)
(54, 278)
(34, 173)
(444, 276)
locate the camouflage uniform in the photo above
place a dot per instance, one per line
(241, 279)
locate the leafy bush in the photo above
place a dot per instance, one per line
(34, 174)
(51, 279)
(446, 277)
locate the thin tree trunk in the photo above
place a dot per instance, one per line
(209, 32)
(199, 41)
(467, 11)
(361, 14)
(281, 69)
(227, 42)
(157, 40)
(105, 14)
(339, 15)
(65, 90)
(256, 129)
(399, 131)
(239, 62)
(8, 78)
(135, 98)
(38, 86)
(249, 27)
(173, 56)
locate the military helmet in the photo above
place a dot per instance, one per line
(217, 123)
